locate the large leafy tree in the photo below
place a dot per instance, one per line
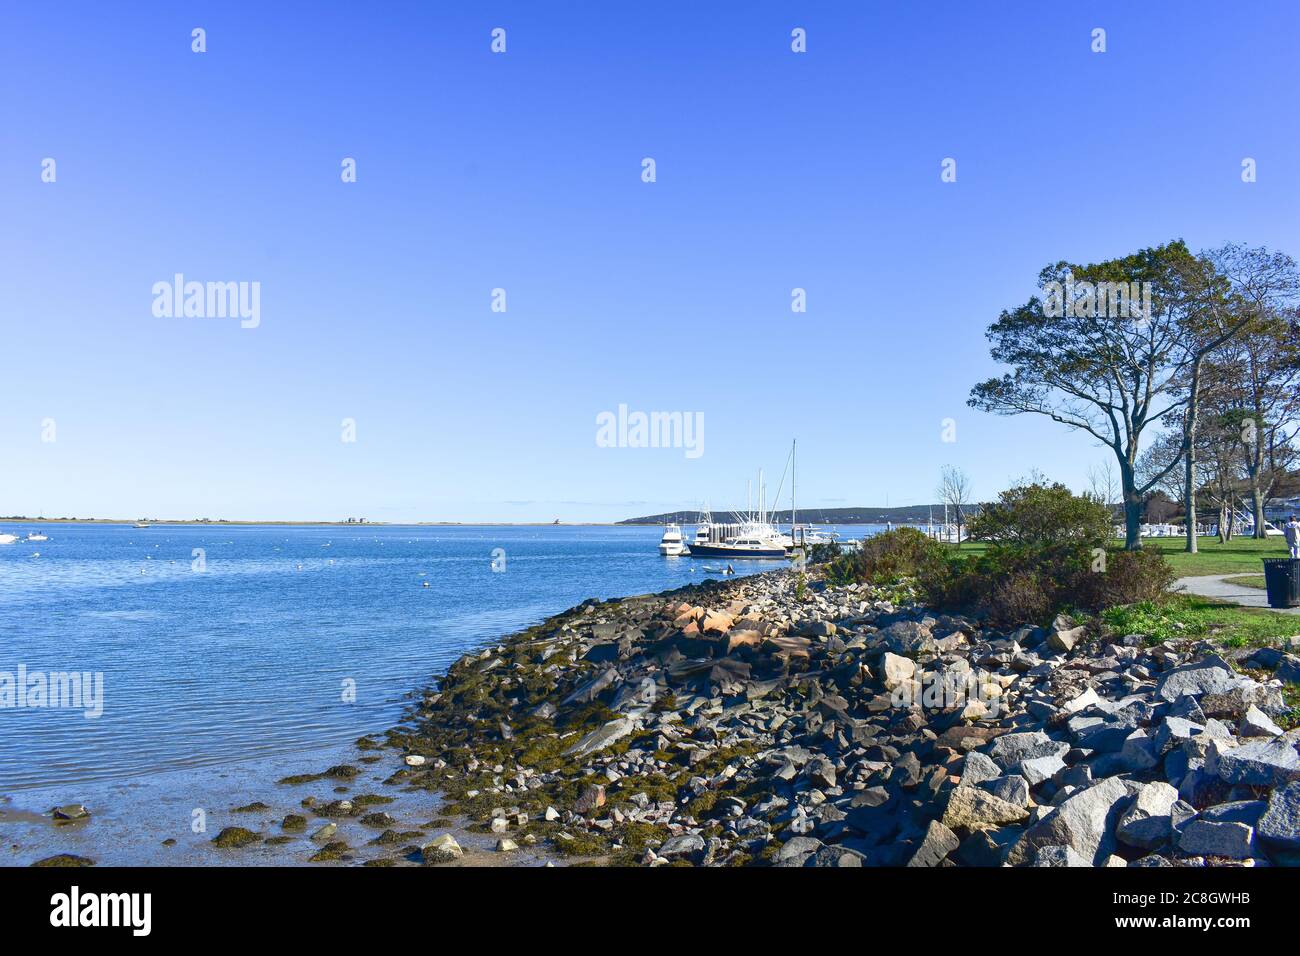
(1112, 373)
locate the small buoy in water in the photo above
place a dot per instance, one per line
(426, 584)
(36, 554)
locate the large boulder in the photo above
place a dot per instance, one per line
(1209, 676)
(602, 737)
(1085, 822)
(971, 808)
(908, 637)
(1233, 841)
(1147, 824)
(895, 670)
(1269, 763)
(1011, 749)
(1280, 824)
(938, 843)
(977, 768)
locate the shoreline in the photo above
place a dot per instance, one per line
(759, 722)
(773, 721)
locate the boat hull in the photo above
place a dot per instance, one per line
(723, 551)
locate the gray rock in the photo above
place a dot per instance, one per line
(1085, 822)
(1040, 768)
(1064, 640)
(1154, 859)
(1013, 788)
(1010, 749)
(1238, 811)
(441, 849)
(1173, 731)
(1058, 856)
(978, 768)
(794, 852)
(1205, 838)
(972, 808)
(1280, 824)
(687, 844)
(821, 773)
(1139, 751)
(938, 843)
(589, 691)
(1210, 676)
(1269, 763)
(908, 637)
(602, 737)
(1256, 723)
(1147, 824)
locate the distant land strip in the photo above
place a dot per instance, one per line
(908, 514)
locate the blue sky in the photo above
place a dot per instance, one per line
(522, 171)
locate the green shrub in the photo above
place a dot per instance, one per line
(824, 552)
(888, 558)
(1130, 577)
(1040, 515)
(1045, 555)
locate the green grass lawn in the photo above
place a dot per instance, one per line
(1240, 555)
(1247, 580)
(1187, 615)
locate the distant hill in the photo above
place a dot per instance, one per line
(909, 514)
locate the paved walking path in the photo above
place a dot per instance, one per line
(1214, 586)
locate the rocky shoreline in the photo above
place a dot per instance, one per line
(763, 721)
(770, 720)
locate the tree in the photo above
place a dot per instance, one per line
(1244, 307)
(954, 491)
(1102, 353)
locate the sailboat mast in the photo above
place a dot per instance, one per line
(793, 519)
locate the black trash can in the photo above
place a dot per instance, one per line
(1282, 579)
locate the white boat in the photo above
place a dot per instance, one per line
(8, 538)
(671, 544)
(142, 524)
(37, 536)
(753, 537)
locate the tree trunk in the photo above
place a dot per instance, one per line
(1224, 530)
(1132, 505)
(1189, 456)
(1257, 505)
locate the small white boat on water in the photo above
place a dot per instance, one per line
(142, 524)
(37, 536)
(8, 538)
(671, 544)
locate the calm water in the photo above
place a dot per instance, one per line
(252, 656)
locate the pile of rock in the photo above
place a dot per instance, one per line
(756, 721)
